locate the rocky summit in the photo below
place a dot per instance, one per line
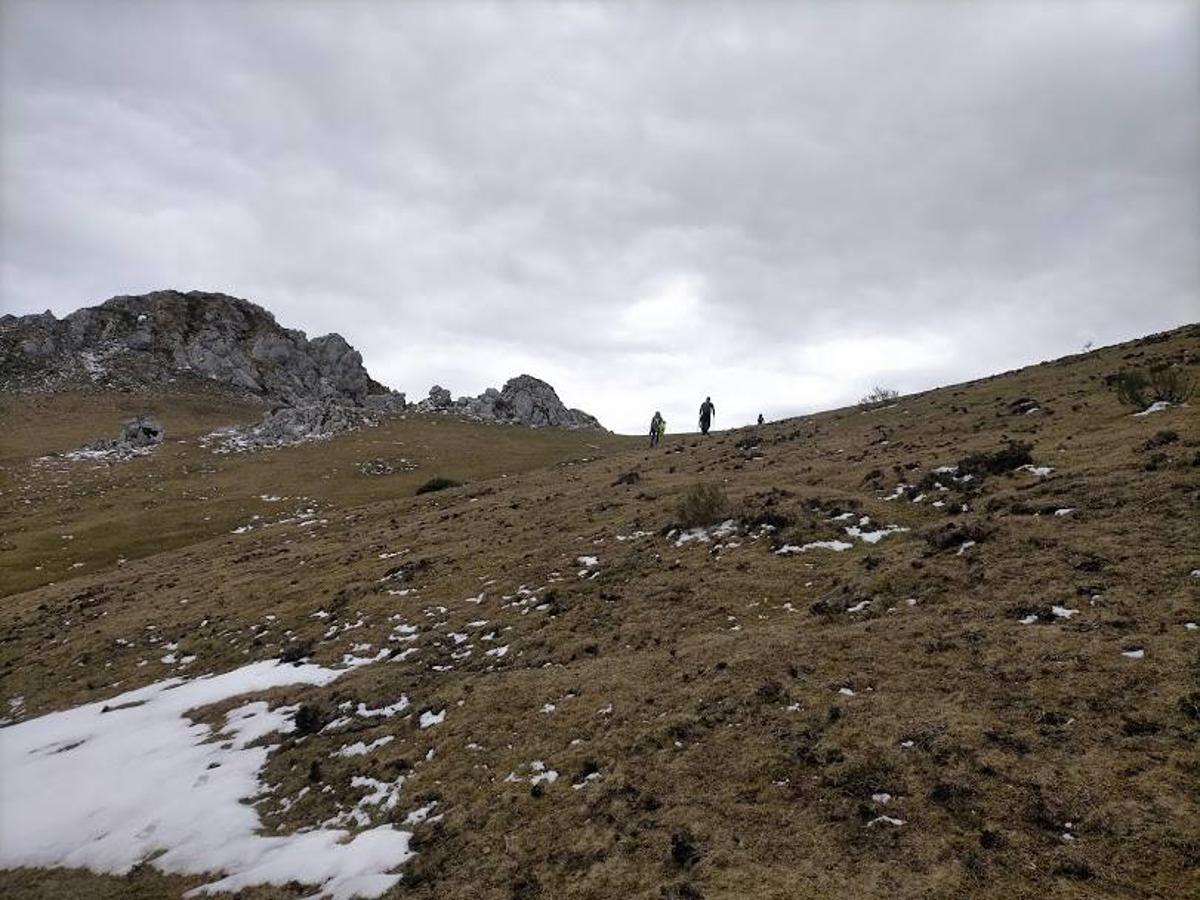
(523, 400)
(135, 342)
(318, 387)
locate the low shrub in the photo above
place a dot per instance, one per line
(1171, 384)
(438, 483)
(878, 397)
(702, 505)
(1158, 384)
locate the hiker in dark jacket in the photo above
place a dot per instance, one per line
(707, 411)
(657, 426)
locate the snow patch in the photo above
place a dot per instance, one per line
(1156, 406)
(109, 785)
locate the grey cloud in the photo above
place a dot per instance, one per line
(643, 203)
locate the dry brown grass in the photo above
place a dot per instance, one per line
(731, 765)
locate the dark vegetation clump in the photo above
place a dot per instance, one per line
(997, 462)
(955, 534)
(766, 508)
(309, 719)
(702, 505)
(684, 852)
(948, 793)
(294, 653)
(1077, 870)
(1160, 383)
(934, 481)
(1160, 439)
(1155, 462)
(1189, 705)
(437, 483)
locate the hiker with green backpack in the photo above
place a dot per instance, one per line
(658, 425)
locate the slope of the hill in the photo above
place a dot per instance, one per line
(62, 517)
(915, 663)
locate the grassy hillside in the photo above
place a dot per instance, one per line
(990, 689)
(64, 519)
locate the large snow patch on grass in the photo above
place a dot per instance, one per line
(106, 790)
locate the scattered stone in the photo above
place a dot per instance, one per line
(287, 425)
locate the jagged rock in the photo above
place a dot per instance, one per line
(138, 437)
(143, 431)
(533, 402)
(288, 425)
(524, 400)
(391, 402)
(132, 342)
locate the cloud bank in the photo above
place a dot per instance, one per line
(775, 204)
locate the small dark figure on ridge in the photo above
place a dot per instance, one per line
(657, 426)
(707, 411)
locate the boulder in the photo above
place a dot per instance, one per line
(142, 431)
(138, 437)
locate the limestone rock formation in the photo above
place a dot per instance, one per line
(319, 386)
(138, 437)
(132, 342)
(286, 425)
(523, 400)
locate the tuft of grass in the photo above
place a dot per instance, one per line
(437, 483)
(701, 505)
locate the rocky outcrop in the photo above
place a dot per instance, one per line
(138, 437)
(130, 342)
(523, 400)
(319, 386)
(439, 397)
(287, 425)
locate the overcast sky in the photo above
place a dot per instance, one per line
(778, 204)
